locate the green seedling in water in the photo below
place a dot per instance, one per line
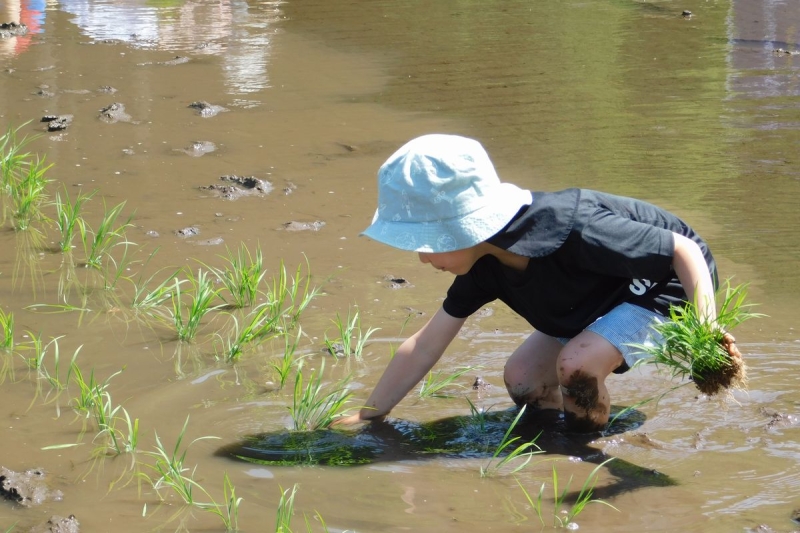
(289, 296)
(36, 361)
(524, 451)
(202, 295)
(242, 276)
(287, 361)
(283, 521)
(28, 194)
(692, 345)
(145, 299)
(6, 331)
(312, 408)
(94, 401)
(352, 338)
(68, 217)
(172, 473)
(259, 326)
(434, 384)
(98, 243)
(12, 158)
(563, 515)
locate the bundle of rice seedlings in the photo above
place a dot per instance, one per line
(703, 349)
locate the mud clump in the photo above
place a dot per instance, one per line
(396, 282)
(198, 148)
(26, 488)
(206, 110)
(12, 29)
(238, 186)
(59, 524)
(303, 226)
(733, 374)
(190, 231)
(57, 122)
(114, 113)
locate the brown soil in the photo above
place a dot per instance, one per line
(731, 376)
(583, 388)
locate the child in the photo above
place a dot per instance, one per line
(591, 272)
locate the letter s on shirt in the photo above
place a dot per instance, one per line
(640, 286)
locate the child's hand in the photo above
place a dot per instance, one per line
(348, 420)
(728, 343)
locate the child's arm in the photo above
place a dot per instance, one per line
(692, 270)
(413, 359)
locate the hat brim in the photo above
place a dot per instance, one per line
(453, 234)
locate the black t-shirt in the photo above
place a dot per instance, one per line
(589, 252)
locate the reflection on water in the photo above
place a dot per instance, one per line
(697, 114)
(28, 12)
(238, 31)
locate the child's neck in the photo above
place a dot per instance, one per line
(511, 260)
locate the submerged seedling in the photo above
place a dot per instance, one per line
(6, 331)
(285, 512)
(202, 295)
(172, 473)
(68, 217)
(524, 451)
(97, 243)
(241, 277)
(312, 408)
(564, 515)
(433, 385)
(695, 347)
(258, 326)
(352, 338)
(28, 193)
(287, 361)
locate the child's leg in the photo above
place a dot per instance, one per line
(583, 366)
(530, 373)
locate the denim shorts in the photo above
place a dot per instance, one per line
(623, 326)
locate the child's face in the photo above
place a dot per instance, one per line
(457, 262)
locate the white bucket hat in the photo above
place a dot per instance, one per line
(440, 193)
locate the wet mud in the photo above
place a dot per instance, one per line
(692, 113)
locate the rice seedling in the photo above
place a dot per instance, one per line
(37, 360)
(202, 295)
(11, 157)
(524, 450)
(148, 299)
(296, 290)
(92, 395)
(287, 360)
(312, 408)
(433, 385)
(68, 217)
(259, 325)
(352, 338)
(6, 331)
(563, 515)
(241, 277)
(98, 242)
(172, 473)
(700, 348)
(283, 521)
(27, 263)
(28, 194)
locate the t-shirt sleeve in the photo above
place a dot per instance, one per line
(465, 296)
(615, 245)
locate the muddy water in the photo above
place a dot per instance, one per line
(698, 114)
